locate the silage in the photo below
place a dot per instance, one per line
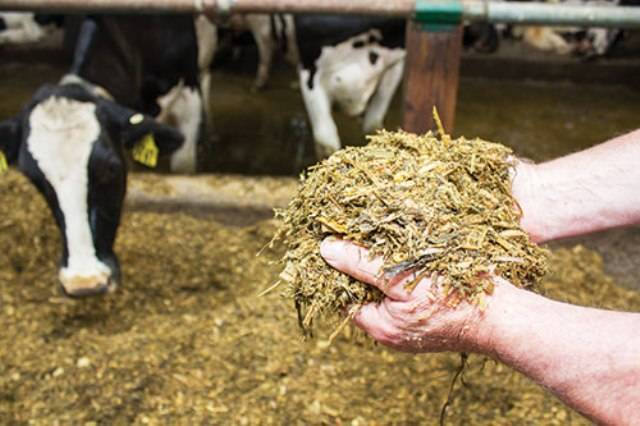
(436, 207)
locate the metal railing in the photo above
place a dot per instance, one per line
(471, 10)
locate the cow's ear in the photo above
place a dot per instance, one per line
(10, 139)
(138, 126)
(133, 127)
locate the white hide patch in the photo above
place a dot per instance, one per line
(21, 28)
(546, 39)
(63, 133)
(182, 108)
(601, 39)
(207, 35)
(318, 106)
(348, 74)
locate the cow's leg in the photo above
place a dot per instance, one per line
(379, 104)
(318, 104)
(207, 34)
(292, 54)
(205, 88)
(260, 26)
(183, 108)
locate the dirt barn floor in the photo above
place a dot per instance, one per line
(187, 340)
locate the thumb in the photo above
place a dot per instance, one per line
(351, 259)
(354, 260)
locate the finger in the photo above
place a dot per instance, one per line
(372, 320)
(354, 260)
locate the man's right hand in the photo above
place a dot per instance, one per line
(423, 320)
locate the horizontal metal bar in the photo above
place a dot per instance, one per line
(552, 14)
(106, 6)
(356, 7)
(473, 10)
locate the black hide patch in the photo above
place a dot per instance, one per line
(138, 58)
(359, 44)
(3, 25)
(10, 138)
(373, 57)
(131, 131)
(373, 39)
(107, 188)
(278, 21)
(313, 32)
(481, 37)
(49, 19)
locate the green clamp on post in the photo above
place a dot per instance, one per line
(438, 15)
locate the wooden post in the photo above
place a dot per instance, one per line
(431, 77)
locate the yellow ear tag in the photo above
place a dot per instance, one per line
(3, 163)
(146, 151)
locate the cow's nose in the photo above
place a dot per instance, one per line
(85, 286)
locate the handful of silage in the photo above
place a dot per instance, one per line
(440, 208)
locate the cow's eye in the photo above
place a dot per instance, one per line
(359, 44)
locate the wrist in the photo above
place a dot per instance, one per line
(496, 321)
(525, 186)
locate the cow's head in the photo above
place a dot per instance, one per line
(353, 69)
(70, 143)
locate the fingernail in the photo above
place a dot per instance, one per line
(331, 250)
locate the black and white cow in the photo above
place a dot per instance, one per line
(277, 33)
(155, 64)
(26, 27)
(354, 63)
(271, 33)
(357, 64)
(71, 138)
(69, 141)
(586, 42)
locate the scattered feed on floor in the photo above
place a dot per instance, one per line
(187, 340)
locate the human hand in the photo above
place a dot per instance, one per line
(423, 320)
